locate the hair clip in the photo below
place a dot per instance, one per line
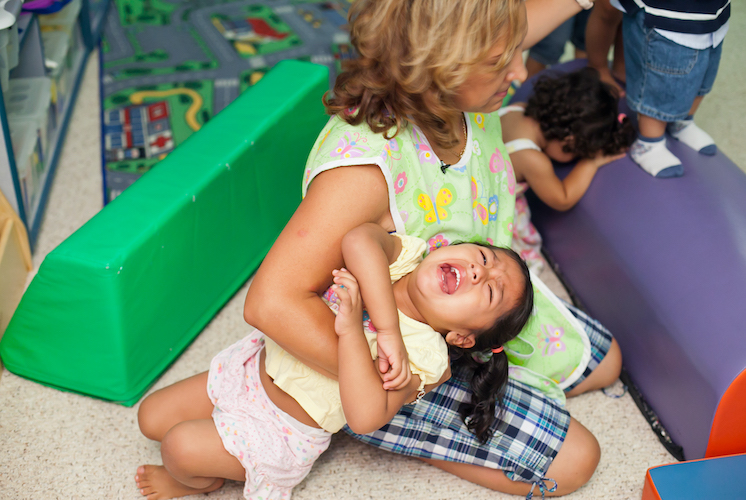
(481, 356)
(620, 118)
(485, 356)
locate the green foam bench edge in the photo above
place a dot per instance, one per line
(116, 303)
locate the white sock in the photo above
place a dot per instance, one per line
(655, 158)
(690, 134)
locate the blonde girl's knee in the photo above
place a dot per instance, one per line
(587, 457)
(576, 461)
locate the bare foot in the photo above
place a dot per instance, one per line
(155, 483)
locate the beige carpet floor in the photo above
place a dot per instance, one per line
(57, 445)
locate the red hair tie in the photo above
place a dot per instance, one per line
(621, 117)
(497, 350)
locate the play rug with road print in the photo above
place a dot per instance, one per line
(171, 65)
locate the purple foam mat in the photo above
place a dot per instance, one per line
(662, 263)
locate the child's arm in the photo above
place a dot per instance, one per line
(367, 251)
(536, 169)
(367, 405)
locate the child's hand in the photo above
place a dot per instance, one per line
(350, 317)
(601, 159)
(393, 362)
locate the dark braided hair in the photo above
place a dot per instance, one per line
(489, 379)
(580, 105)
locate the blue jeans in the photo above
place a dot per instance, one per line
(663, 77)
(549, 50)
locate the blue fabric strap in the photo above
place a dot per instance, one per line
(543, 489)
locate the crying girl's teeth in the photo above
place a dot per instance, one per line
(458, 277)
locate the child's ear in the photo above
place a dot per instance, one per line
(460, 339)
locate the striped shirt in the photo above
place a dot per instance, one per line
(682, 16)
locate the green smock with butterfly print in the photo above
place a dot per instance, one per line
(472, 200)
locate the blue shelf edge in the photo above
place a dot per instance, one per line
(12, 161)
(56, 149)
(101, 118)
(98, 15)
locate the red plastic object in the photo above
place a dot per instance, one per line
(728, 434)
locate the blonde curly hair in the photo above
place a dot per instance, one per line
(413, 55)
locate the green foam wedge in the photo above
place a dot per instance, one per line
(117, 302)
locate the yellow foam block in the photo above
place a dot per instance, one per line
(15, 262)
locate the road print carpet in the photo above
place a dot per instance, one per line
(168, 66)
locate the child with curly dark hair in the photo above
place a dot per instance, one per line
(572, 116)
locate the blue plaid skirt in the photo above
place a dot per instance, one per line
(527, 435)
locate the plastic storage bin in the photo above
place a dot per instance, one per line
(30, 118)
(4, 62)
(58, 62)
(27, 148)
(64, 20)
(9, 10)
(12, 47)
(30, 99)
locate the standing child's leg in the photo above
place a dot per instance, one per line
(690, 134)
(600, 33)
(650, 151)
(686, 130)
(665, 83)
(617, 61)
(549, 50)
(577, 37)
